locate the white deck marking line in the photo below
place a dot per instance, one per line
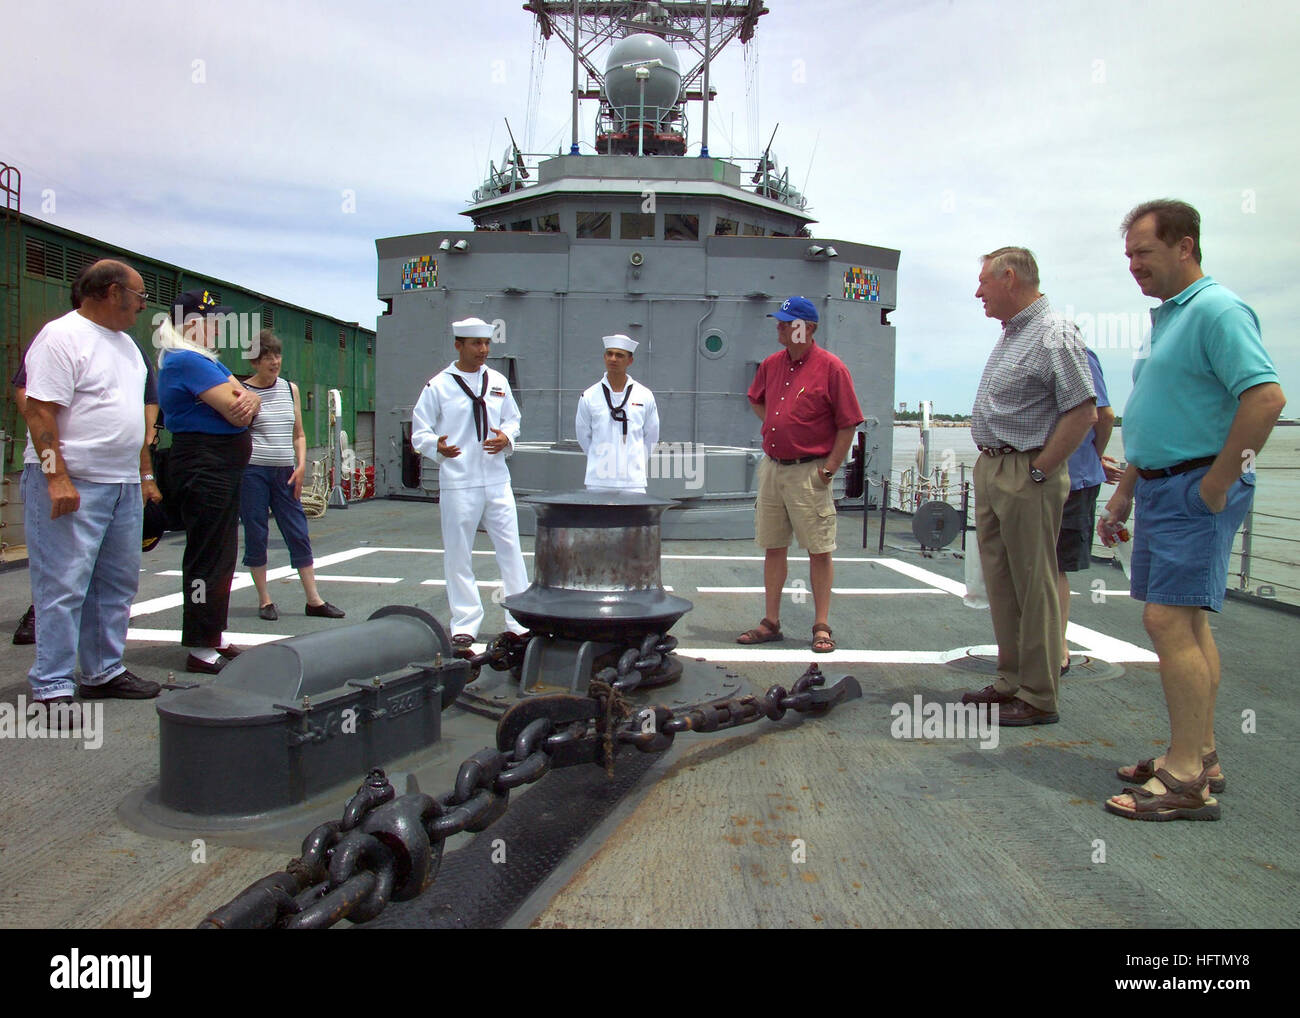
(1108, 648)
(1116, 651)
(435, 551)
(485, 584)
(924, 575)
(174, 636)
(244, 580)
(753, 558)
(834, 590)
(334, 578)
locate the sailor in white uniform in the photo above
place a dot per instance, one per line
(617, 423)
(467, 421)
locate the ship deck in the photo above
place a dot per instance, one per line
(807, 822)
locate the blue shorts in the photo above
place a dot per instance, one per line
(1180, 548)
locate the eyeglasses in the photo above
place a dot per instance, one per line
(143, 295)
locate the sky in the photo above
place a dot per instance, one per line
(270, 144)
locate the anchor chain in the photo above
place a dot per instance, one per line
(388, 847)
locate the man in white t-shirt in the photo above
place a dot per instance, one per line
(467, 420)
(617, 423)
(85, 477)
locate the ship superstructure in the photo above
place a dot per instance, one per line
(650, 236)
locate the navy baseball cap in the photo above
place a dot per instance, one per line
(199, 302)
(796, 309)
(154, 525)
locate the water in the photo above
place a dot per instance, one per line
(1275, 538)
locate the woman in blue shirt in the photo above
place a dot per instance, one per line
(208, 413)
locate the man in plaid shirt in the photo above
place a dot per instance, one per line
(1034, 405)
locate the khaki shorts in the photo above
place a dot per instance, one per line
(792, 500)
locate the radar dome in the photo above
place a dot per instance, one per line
(621, 86)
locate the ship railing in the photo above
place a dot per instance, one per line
(1262, 559)
(1264, 565)
(661, 118)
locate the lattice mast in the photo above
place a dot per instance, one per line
(629, 121)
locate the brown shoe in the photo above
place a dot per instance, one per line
(194, 663)
(766, 631)
(989, 694)
(1016, 713)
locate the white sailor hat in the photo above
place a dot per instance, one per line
(471, 328)
(620, 342)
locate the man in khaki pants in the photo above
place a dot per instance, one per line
(1034, 405)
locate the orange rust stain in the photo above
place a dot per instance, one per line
(857, 885)
(808, 878)
(740, 821)
(816, 918)
(733, 839)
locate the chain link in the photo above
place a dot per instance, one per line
(389, 848)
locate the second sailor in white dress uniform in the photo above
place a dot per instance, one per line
(467, 420)
(617, 423)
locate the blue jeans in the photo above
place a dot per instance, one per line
(268, 487)
(85, 571)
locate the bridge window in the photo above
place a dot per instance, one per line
(636, 225)
(679, 226)
(549, 224)
(751, 230)
(594, 225)
(726, 228)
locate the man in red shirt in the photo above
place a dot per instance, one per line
(804, 397)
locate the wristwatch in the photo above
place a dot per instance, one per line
(146, 477)
(828, 474)
(1036, 475)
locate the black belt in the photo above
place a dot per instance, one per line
(1177, 468)
(801, 459)
(1003, 450)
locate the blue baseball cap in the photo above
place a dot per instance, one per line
(796, 309)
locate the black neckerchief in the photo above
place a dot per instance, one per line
(480, 405)
(617, 412)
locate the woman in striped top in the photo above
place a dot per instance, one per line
(273, 481)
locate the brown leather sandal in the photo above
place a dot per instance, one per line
(822, 644)
(766, 631)
(1181, 800)
(1145, 771)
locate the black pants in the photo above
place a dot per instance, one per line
(204, 472)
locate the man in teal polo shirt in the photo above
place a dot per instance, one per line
(1203, 403)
